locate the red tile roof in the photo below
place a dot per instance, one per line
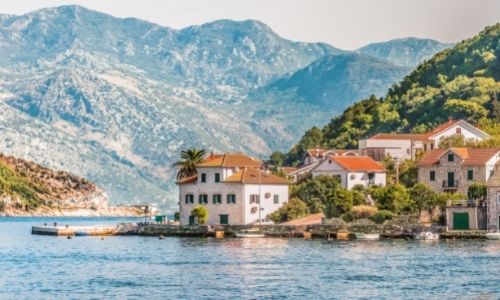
(251, 176)
(358, 163)
(470, 156)
(230, 160)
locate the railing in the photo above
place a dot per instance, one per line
(467, 203)
(453, 184)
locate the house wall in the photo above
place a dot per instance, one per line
(267, 204)
(401, 149)
(347, 179)
(235, 211)
(493, 208)
(480, 173)
(466, 131)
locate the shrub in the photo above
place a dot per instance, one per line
(201, 214)
(348, 217)
(363, 211)
(293, 209)
(381, 216)
(358, 198)
(2, 205)
(392, 197)
(339, 201)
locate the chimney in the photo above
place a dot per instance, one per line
(450, 120)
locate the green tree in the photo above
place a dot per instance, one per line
(315, 192)
(423, 197)
(392, 197)
(200, 213)
(408, 173)
(339, 201)
(277, 158)
(189, 159)
(477, 191)
(293, 209)
(456, 140)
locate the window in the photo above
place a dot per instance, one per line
(470, 175)
(432, 175)
(432, 146)
(276, 199)
(425, 147)
(451, 157)
(217, 177)
(203, 199)
(189, 198)
(498, 198)
(231, 199)
(458, 130)
(203, 177)
(216, 198)
(254, 199)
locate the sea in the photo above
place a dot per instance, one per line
(133, 267)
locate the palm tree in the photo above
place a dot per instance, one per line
(189, 159)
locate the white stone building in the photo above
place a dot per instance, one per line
(230, 186)
(352, 170)
(406, 146)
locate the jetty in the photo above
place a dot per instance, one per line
(68, 230)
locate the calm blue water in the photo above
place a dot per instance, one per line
(41, 267)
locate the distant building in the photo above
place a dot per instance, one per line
(231, 186)
(317, 154)
(352, 170)
(407, 146)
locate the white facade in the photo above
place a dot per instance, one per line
(349, 178)
(244, 209)
(401, 149)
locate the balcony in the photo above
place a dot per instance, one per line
(450, 184)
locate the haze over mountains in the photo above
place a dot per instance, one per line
(115, 100)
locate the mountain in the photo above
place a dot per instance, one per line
(116, 100)
(335, 81)
(461, 82)
(406, 52)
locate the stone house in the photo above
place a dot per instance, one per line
(408, 146)
(233, 188)
(454, 170)
(352, 170)
(493, 202)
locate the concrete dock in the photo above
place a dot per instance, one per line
(68, 230)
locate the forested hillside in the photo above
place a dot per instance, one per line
(461, 82)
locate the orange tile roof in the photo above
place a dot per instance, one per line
(358, 163)
(345, 152)
(230, 160)
(251, 176)
(309, 220)
(470, 156)
(400, 136)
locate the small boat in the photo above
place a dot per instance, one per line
(493, 235)
(367, 236)
(249, 233)
(427, 236)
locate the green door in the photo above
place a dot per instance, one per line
(224, 219)
(451, 179)
(461, 221)
(191, 220)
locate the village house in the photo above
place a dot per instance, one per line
(312, 158)
(233, 188)
(352, 170)
(407, 146)
(454, 170)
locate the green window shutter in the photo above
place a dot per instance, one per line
(451, 157)
(276, 199)
(470, 175)
(432, 175)
(203, 177)
(217, 177)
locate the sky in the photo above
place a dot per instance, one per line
(346, 24)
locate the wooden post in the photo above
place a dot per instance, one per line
(307, 235)
(219, 234)
(342, 235)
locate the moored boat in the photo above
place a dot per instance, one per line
(249, 233)
(367, 236)
(427, 236)
(493, 235)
